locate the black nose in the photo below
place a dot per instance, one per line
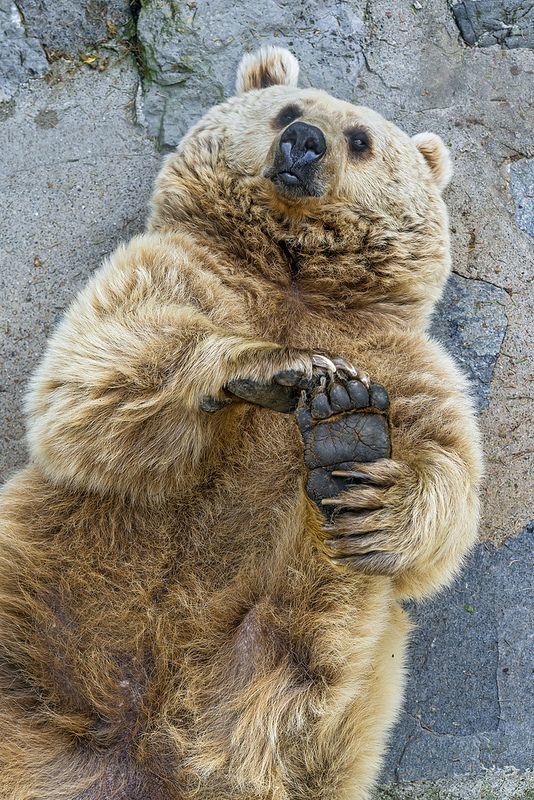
(300, 144)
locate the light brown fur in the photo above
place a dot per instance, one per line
(170, 624)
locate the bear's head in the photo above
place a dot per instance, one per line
(357, 199)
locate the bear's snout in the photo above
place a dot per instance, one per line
(300, 148)
(302, 144)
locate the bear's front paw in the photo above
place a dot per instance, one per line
(279, 392)
(282, 392)
(296, 371)
(343, 422)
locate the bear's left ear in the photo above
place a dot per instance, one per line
(436, 155)
(270, 66)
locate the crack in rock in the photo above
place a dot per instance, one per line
(501, 784)
(468, 697)
(68, 28)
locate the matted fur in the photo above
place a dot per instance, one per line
(171, 626)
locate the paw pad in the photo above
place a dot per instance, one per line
(342, 423)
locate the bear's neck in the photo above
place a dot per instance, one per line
(344, 263)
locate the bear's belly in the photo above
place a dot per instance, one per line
(197, 630)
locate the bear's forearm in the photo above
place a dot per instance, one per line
(434, 432)
(115, 402)
(438, 514)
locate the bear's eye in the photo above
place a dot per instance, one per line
(358, 140)
(287, 115)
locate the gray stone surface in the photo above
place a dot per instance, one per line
(191, 51)
(522, 189)
(506, 784)
(77, 186)
(72, 26)
(21, 55)
(471, 322)
(469, 703)
(508, 23)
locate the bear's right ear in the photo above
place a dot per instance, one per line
(270, 66)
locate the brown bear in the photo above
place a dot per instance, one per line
(199, 588)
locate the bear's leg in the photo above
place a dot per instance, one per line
(375, 711)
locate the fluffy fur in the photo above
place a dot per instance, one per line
(171, 625)
(269, 66)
